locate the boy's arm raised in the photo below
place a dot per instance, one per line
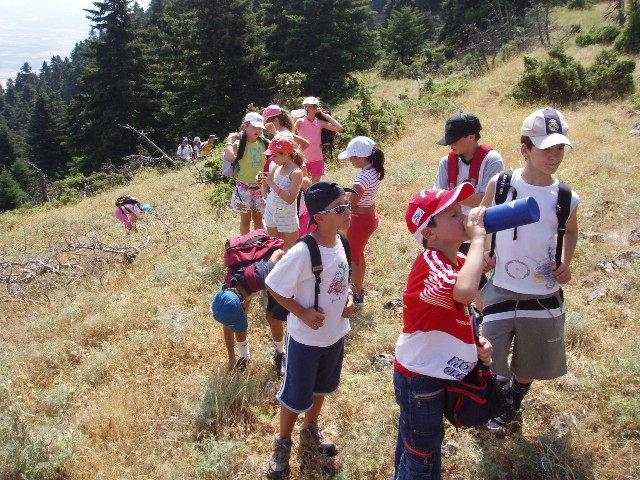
(466, 287)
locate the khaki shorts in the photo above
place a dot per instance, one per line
(535, 327)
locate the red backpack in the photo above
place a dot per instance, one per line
(243, 251)
(474, 169)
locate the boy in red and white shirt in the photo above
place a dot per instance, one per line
(437, 342)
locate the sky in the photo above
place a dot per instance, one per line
(33, 31)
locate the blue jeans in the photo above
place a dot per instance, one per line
(420, 428)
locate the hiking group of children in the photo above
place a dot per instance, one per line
(188, 153)
(522, 304)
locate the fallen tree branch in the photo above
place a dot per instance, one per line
(142, 134)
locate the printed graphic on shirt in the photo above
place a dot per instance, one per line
(340, 283)
(542, 272)
(438, 285)
(458, 368)
(255, 157)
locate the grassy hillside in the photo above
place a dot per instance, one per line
(112, 374)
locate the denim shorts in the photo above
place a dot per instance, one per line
(422, 401)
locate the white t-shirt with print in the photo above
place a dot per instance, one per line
(292, 277)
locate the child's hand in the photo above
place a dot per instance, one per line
(562, 274)
(312, 318)
(488, 262)
(270, 127)
(474, 224)
(346, 313)
(485, 350)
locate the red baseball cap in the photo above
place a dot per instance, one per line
(280, 144)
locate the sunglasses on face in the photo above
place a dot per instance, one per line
(337, 210)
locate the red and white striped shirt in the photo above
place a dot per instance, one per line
(437, 337)
(369, 180)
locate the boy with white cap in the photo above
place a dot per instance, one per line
(523, 303)
(309, 127)
(438, 340)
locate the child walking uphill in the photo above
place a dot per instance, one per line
(364, 154)
(315, 338)
(284, 182)
(437, 341)
(523, 302)
(246, 198)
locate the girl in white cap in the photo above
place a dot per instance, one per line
(309, 127)
(364, 154)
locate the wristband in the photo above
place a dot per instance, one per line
(229, 143)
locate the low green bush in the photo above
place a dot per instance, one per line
(611, 76)
(603, 34)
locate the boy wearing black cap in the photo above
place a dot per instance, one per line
(468, 160)
(315, 338)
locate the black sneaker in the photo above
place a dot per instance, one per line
(510, 421)
(241, 364)
(280, 360)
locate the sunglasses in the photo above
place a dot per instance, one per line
(337, 210)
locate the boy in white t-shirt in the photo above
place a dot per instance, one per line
(315, 338)
(523, 302)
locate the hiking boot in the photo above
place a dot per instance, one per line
(359, 299)
(280, 360)
(279, 464)
(313, 438)
(241, 364)
(510, 421)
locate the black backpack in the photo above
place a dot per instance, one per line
(316, 260)
(327, 137)
(563, 209)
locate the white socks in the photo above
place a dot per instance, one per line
(279, 346)
(243, 349)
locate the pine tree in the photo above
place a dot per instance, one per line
(325, 39)
(8, 152)
(404, 35)
(45, 146)
(11, 195)
(216, 58)
(112, 87)
(629, 40)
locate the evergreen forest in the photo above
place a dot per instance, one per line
(194, 67)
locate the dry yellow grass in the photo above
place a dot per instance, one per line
(115, 370)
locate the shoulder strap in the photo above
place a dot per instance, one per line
(563, 209)
(347, 249)
(452, 170)
(241, 147)
(264, 140)
(476, 162)
(316, 263)
(503, 185)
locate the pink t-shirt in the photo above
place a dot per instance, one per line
(310, 131)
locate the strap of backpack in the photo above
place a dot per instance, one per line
(316, 263)
(452, 170)
(563, 209)
(347, 250)
(503, 184)
(476, 162)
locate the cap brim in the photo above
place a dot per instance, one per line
(548, 141)
(461, 192)
(446, 140)
(257, 124)
(343, 155)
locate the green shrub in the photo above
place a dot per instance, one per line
(629, 39)
(216, 458)
(610, 76)
(579, 4)
(635, 101)
(603, 34)
(561, 79)
(393, 69)
(221, 195)
(376, 120)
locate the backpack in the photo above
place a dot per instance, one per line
(316, 260)
(327, 137)
(563, 209)
(474, 169)
(126, 200)
(241, 253)
(230, 169)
